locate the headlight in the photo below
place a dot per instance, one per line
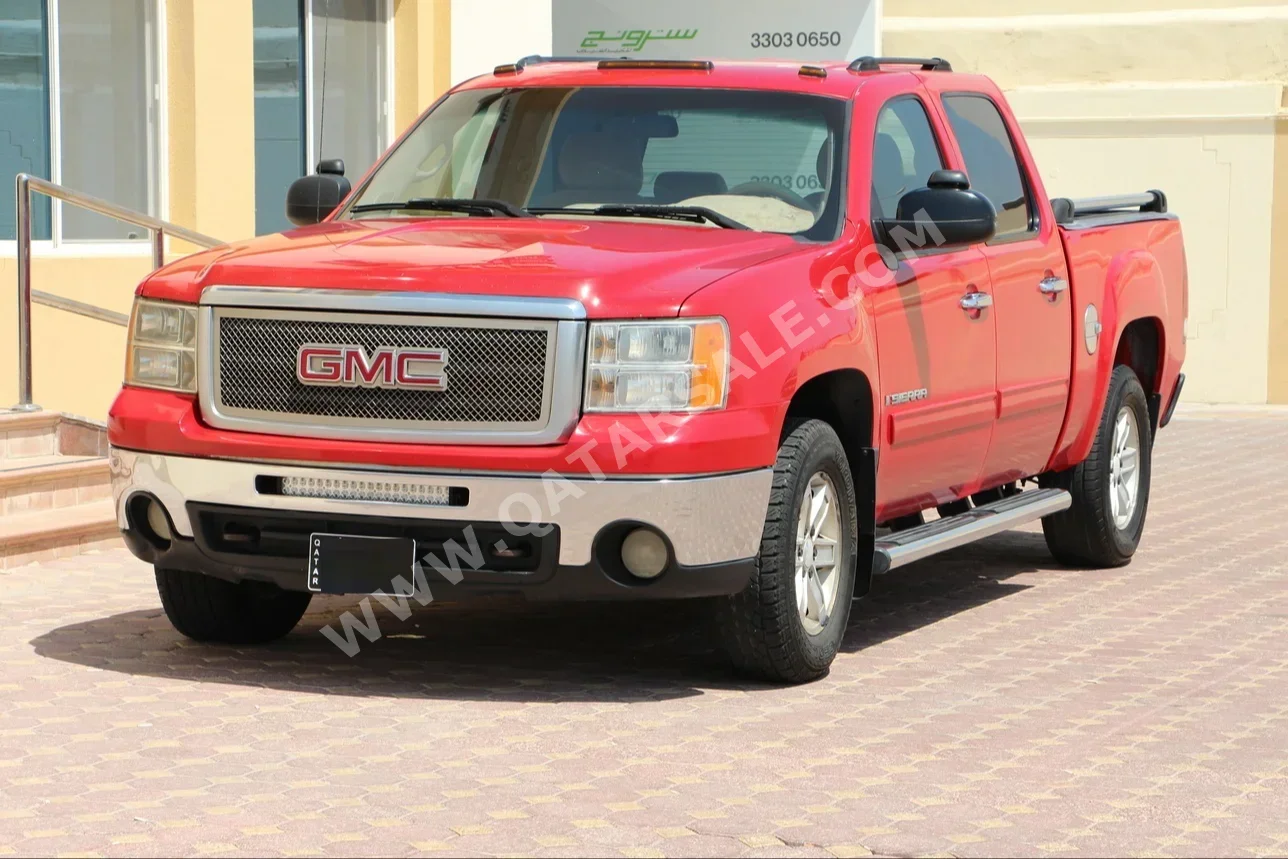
(663, 366)
(160, 351)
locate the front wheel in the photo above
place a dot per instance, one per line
(788, 624)
(205, 608)
(1110, 487)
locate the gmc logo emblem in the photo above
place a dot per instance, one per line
(386, 367)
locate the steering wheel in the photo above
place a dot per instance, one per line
(769, 189)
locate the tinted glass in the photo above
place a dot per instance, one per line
(904, 154)
(279, 109)
(990, 159)
(761, 158)
(348, 77)
(105, 90)
(24, 105)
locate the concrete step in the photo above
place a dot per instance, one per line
(43, 433)
(51, 482)
(39, 536)
(28, 434)
(55, 490)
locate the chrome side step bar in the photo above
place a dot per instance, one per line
(904, 547)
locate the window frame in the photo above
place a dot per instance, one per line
(945, 161)
(876, 129)
(1035, 212)
(156, 71)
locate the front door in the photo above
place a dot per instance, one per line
(935, 338)
(1030, 293)
(937, 362)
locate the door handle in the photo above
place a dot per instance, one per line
(976, 301)
(1052, 286)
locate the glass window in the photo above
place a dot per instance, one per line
(24, 104)
(106, 111)
(320, 92)
(279, 109)
(734, 146)
(348, 82)
(904, 154)
(990, 160)
(763, 159)
(100, 85)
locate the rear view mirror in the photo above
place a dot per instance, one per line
(310, 199)
(945, 212)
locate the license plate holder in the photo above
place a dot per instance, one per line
(352, 564)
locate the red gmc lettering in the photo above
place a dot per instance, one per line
(320, 364)
(386, 367)
(361, 370)
(411, 376)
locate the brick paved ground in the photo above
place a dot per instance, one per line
(986, 703)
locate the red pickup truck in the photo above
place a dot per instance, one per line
(624, 329)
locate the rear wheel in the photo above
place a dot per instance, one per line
(788, 625)
(209, 609)
(1110, 487)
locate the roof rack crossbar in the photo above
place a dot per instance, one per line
(536, 59)
(874, 64)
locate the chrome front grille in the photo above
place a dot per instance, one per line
(513, 373)
(494, 375)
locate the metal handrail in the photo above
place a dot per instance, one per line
(24, 185)
(71, 305)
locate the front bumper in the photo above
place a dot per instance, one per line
(569, 528)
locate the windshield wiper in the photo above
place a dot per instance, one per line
(691, 214)
(488, 208)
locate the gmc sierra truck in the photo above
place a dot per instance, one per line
(752, 332)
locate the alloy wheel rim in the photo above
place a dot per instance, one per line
(1124, 468)
(818, 553)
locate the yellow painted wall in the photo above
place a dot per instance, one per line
(211, 104)
(987, 8)
(76, 362)
(422, 56)
(1278, 369)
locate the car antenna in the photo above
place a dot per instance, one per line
(326, 38)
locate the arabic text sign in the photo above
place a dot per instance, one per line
(729, 29)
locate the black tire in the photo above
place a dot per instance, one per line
(761, 628)
(1085, 535)
(205, 608)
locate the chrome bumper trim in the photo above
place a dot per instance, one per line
(708, 519)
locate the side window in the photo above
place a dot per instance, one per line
(904, 154)
(990, 160)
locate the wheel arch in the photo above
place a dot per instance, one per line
(843, 398)
(1141, 346)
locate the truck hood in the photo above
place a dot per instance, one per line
(617, 269)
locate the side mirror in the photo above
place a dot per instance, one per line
(311, 198)
(945, 212)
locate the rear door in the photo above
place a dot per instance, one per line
(1029, 278)
(936, 358)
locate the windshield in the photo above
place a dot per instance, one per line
(762, 160)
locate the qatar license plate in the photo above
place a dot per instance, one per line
(346, 564)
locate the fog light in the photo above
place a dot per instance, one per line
(644, 554)
(158, 522)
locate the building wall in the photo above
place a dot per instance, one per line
(1183, 95)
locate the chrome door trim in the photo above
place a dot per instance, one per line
(976, 301)
(1052, 286)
